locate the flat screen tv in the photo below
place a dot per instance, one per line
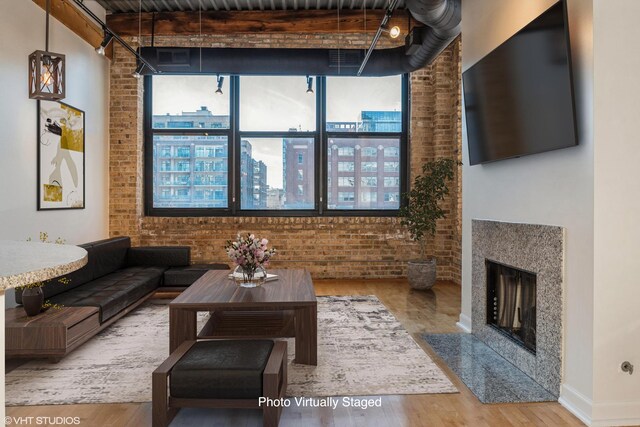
(519, 98)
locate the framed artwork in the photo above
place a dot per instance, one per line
(60, 156)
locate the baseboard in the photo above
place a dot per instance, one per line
(616, 414)
(600, 414)
(576, 403)
(464, 323)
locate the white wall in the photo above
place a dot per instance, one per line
(554, 188)
(22, 26)
(22, 30)
(617, 211)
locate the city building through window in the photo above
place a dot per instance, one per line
(264, 146)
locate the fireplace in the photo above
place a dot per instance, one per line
(511, 303)
(522, 267)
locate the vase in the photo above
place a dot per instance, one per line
(32, 300)
(248, 277)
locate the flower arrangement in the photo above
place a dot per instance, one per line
(250, 253)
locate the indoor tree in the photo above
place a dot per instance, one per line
(420, 214)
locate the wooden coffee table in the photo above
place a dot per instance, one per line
(286, 307)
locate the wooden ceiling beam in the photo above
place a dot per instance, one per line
(72, 18)
(252, 21)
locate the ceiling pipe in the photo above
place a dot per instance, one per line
(441, 17)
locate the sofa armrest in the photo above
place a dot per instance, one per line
(162, 256)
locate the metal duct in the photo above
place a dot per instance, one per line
(441, 17)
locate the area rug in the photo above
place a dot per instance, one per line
(492, 378)
(362, 350)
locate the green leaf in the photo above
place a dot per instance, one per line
(422, 210)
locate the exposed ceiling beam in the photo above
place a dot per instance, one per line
(253, 21)
(72, 18)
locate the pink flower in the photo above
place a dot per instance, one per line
(249, 251)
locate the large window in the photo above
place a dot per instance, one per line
(267, 146)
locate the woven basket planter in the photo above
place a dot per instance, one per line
(422, 274)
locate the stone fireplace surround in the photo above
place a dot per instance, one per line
(530, 247)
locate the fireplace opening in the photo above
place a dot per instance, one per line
(511, 303)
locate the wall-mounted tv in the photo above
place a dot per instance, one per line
(519, 98)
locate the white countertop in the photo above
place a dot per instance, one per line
(29, 262)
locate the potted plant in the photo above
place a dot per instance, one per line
(420, 213)
(32, 298)
(31, 294)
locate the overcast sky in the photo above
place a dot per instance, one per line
(276, 104)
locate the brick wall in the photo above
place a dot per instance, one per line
(330, 247)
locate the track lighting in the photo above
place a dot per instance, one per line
(309, 84)
(219, 80)
(393, 32)
(105, 42)
(150, 68)
(138, 72)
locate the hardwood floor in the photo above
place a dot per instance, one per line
(419, 312)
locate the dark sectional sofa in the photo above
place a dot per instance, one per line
(118, 276)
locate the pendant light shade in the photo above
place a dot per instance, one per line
(46, 71)
(46, 76)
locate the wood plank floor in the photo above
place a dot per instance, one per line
(419, 312)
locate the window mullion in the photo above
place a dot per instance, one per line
(321, 109)
(234, 161)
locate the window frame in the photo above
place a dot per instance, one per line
(320, 137)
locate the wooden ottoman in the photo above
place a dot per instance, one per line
(221, 374)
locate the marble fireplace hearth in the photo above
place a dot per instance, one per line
(538, 249)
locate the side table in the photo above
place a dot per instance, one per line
(51, 334)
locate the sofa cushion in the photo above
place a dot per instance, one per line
(103, 257)
(114, 292)
(108, 255)
(186, 276)
(221, 370)
(167, 256)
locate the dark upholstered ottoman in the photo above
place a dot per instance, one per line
(180, 277)
(221, 370)
(221, 374)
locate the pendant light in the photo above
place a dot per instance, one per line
(46, 71)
